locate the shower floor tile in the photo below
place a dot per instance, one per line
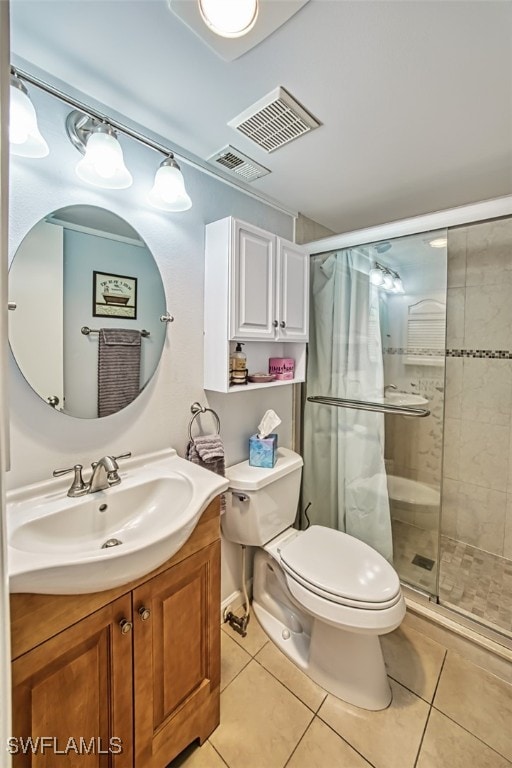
(476, 583)
(409, 542)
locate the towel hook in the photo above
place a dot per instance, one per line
(197, 409)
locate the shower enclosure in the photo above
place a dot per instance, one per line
(424, 478)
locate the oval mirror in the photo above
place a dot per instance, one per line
(86, 333)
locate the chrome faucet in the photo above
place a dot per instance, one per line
(104, 475)
(389, 386)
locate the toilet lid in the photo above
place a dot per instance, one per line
(341, 568)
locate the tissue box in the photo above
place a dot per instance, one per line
(263, 451)
(282, 367)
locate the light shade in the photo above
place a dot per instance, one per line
(168, 192)
(229, 18)
(387, 281)
(24, 135)
(376, 276)
(398, 286)
(103, 162)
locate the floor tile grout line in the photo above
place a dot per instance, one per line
(314, 711)
(420, 745)
(439, 676)
(345, 740)
(299, 741)
(471, 733)
(415, 693)
(237, 674)
(219, 754)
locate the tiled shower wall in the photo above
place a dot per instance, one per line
(477, 472)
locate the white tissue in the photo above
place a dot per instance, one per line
(268, 423)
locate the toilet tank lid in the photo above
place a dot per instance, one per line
(243, 477)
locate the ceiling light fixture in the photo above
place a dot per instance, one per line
(229, 18)
(24, 135)
(103, 162)
(438, 242)
(168, 192)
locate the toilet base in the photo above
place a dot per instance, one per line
(349, 666)
(345, 663)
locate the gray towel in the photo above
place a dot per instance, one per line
(118, 369)
(208, 451)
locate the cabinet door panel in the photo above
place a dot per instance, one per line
(65, 690)
(252, 290)
(293, 292)
(177, 658)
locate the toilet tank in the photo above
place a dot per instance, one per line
(260, 503)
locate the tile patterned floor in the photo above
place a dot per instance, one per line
(475, 582)
(446, 712)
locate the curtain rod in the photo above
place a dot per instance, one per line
(142, 139)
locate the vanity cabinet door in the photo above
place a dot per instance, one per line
(177, 658)
(76, 691)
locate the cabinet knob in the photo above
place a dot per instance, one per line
(275, 323)
(126, 626)
(144, 613)
(282, 324)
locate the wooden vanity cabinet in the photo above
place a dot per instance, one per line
(140, 664)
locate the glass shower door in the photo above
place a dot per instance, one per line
(373, 423)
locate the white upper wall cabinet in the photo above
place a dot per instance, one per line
(256, 291)
(269, 286)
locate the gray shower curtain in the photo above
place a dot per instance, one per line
(344, 473)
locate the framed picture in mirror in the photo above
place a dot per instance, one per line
(114, 296)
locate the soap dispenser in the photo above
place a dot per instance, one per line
(238, 365)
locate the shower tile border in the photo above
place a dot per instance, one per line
(495, 354)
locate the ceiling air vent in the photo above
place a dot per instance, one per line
(235, 162)
(274, 120)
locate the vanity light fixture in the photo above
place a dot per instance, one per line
(103, 162)
(168, 192)
(24, 135)
(384, 277)
(229, 18)
(376, 275)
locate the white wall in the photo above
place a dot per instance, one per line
(41, 439)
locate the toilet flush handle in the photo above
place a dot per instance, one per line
(240, 496)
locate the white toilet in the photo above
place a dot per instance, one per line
(322, 596)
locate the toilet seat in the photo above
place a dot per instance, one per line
(341, 569)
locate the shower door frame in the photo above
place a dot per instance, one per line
(473, 213)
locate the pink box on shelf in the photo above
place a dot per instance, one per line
(283, 368)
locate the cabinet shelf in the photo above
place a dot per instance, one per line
(263, 385)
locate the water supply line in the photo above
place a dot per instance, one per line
(239, 623)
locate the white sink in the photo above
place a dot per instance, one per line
(55, 542)
(404, 398)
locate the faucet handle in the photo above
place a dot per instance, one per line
(123, 456)
(77, 487)
(75, 468)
